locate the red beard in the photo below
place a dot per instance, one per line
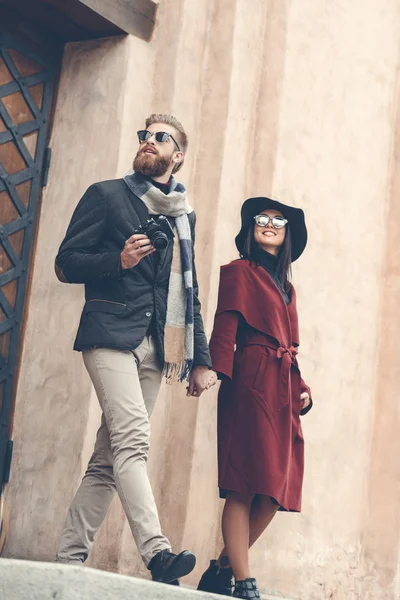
(151, 165)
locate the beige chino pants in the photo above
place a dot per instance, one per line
(127, 384)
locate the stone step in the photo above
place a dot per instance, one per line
(26, 580)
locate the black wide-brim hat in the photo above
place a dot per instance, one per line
(295, 217)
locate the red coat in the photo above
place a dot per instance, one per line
(260, 440)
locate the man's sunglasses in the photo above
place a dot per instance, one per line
(276, 222)
(161, 136)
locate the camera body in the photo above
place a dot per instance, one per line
(158, 230)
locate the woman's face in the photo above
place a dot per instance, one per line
(269, 238)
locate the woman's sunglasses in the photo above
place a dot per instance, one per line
(161, 136)
(276, 222)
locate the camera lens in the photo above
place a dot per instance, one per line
(159, 240)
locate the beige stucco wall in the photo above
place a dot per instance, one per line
(295, 99)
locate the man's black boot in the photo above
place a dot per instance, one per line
(216, 580)
(167, 567)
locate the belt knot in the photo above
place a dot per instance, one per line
(291, 352)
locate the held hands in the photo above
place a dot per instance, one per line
(305, 400)
(202, 378)
(136, 247)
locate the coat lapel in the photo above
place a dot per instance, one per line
(146, 265)
(285, 307)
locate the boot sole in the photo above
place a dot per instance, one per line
(184, 564)
(217, 591)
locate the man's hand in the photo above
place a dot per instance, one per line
(136, 247)
(202, 378)
(305, 400)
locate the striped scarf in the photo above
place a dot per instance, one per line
(179, 326)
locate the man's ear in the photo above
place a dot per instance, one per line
(178, 157)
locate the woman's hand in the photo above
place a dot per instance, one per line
(306, 401)
(212, 380)
(202, 378)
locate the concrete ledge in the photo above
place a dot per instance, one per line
(77, 20)
(25, 580)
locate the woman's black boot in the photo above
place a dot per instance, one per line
(246, 589)
(216, 580)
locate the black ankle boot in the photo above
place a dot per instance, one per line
(216, 580)
(246, 589)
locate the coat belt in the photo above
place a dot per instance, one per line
(287, 358)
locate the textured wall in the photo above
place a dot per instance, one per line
(298, 100)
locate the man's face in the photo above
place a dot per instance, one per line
(153, 158)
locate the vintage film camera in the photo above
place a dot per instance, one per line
(158, 230)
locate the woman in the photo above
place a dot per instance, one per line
(253, 348)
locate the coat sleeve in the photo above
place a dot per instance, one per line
(79, 259)
(222, 343)
(201, 350)
(305, 388)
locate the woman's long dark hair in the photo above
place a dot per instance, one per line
(284, 266)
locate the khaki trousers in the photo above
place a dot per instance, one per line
(127, 384)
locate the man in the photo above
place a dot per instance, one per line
(141, 320)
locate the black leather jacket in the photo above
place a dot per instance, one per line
(120, 304)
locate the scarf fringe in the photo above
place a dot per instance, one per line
(177, 372)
